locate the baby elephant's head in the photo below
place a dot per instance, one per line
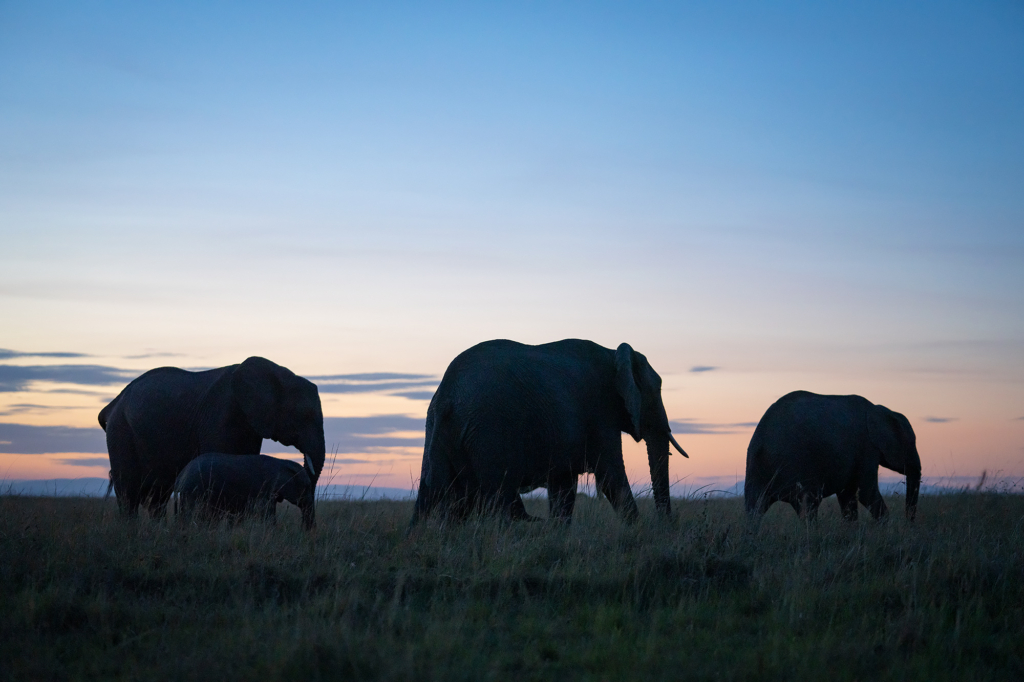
(296, 486)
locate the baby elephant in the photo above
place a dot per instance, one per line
(809, 446)
(219, 484)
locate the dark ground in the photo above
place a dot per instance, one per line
(84, 595)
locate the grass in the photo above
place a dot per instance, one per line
(85, 595)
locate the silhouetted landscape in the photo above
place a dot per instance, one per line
(91, 596)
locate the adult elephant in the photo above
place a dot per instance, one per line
(508, 418)
(809, 446)
(168, 416)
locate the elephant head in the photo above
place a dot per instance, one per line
(284, 407)
(296, 486)
(890, 432)
(640, 388)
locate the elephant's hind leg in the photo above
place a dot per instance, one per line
(805, 504)
(848, 503)
(517, 510)
(755, 499)
(561, 496)
(507, 501)
(124, 472)
(157, 501)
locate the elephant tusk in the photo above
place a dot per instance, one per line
(681, 451)
(309, 463)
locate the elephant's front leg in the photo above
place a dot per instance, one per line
(872, 499)
(561, 495)
(848, 503)
(870, 496)
(615, 486)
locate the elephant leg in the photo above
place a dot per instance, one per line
(561, 496)
(755, 499)
(616, 489)
(872, 499)
(124, 473)
(805, 505)
(157, 502)
(870, 496)
(509, 502)
(848, 503)
(811, 504)
(517, 510)
(183, 511)
(128, 496)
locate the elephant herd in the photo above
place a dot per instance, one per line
(507, 418)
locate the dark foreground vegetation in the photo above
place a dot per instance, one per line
(84, 595)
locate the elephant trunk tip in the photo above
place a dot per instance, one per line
(913, 492)
(309, 517)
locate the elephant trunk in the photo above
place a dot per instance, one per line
(657, 457)
(913, 489)
(315, 453)
(308, 512)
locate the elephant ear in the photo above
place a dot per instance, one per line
(625, 384)
(258, 388)
(883, 431)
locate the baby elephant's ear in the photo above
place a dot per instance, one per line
(625, 384)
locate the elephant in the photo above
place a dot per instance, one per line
(808, 446)
(508, 418)
(220, 484)
(168, 416)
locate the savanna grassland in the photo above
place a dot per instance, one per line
(85, 595)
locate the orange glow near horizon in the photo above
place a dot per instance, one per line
(965, 424)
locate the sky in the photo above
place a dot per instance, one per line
(759, 197)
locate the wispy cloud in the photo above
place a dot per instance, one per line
(84, 462)
(16, 378)
(370, 376)
(42, 440)
(415, 395)
(703, 368)
(376, 387)
(7, 354)
(940, 420)
(690, 426)
(144, 356)
(375, 382)
(21, 408)
(352, 435)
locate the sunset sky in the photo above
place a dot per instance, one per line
(760, 199)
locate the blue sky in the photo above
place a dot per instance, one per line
(801, 196)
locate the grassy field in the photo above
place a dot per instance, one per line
(84, 595)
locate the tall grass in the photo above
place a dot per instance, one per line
(85, 595)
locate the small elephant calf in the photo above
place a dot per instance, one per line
(219, 484)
